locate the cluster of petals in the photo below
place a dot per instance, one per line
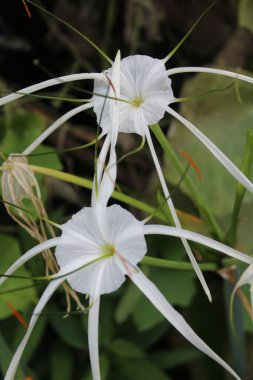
(101, 245)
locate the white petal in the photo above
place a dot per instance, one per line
(40, 306)
(28, 255)
(126, 233)
(175, 217)
(107, 184)
(49, 83)
(236, 173)
(210, 70)
(201, 239)
(246, 278)
(54, 126)
(100, 168)
(149, 289)
(93, 338)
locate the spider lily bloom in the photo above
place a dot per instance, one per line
(98, 247)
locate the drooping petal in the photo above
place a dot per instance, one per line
(175, 217)
(246, 278)
(49, 83)
(100, 168)
(10, 375)
(233, 170)
(107, 184)
(54, 126)
(28, 255)
(93, 338)
(201, 239)
(210, 70)
(149, 289)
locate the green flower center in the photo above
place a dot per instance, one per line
(108, 250)
(136, 102)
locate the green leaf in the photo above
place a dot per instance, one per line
(225, 121)
(35, 339)
(19, 300)
(172, 359)
(70, 330)
(5, 357)
(125, 349)
(136, 369)
(127, 303)
(23, 128)
(61, 363)
(245, 14)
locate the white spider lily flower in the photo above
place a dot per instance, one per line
(95, 252)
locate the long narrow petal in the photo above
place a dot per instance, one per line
(49, 83)
(233, 170)
(210, 70)
(93, 324)
(28, 255)
(54, 126)
(108, 181)
(93, 338)
(246, 278)
(149, 289)
(40, 306)
(100, 168)
(201, 239)
(175, 217)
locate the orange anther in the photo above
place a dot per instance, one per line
(192, 163)
(19, 318)
(26, 8)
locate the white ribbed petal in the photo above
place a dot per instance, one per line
(149, 289)
(141, 77)
(28, 255)
(10, 375)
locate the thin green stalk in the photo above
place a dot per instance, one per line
(205, 212)
(246, 164)
(73, 29)
(189, 32)
(180, 265)
(88, 185)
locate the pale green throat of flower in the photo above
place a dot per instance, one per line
(107, 250)
(137, 102)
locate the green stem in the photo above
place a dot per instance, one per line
(88, 185)
(171, 264)
(205, 212)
